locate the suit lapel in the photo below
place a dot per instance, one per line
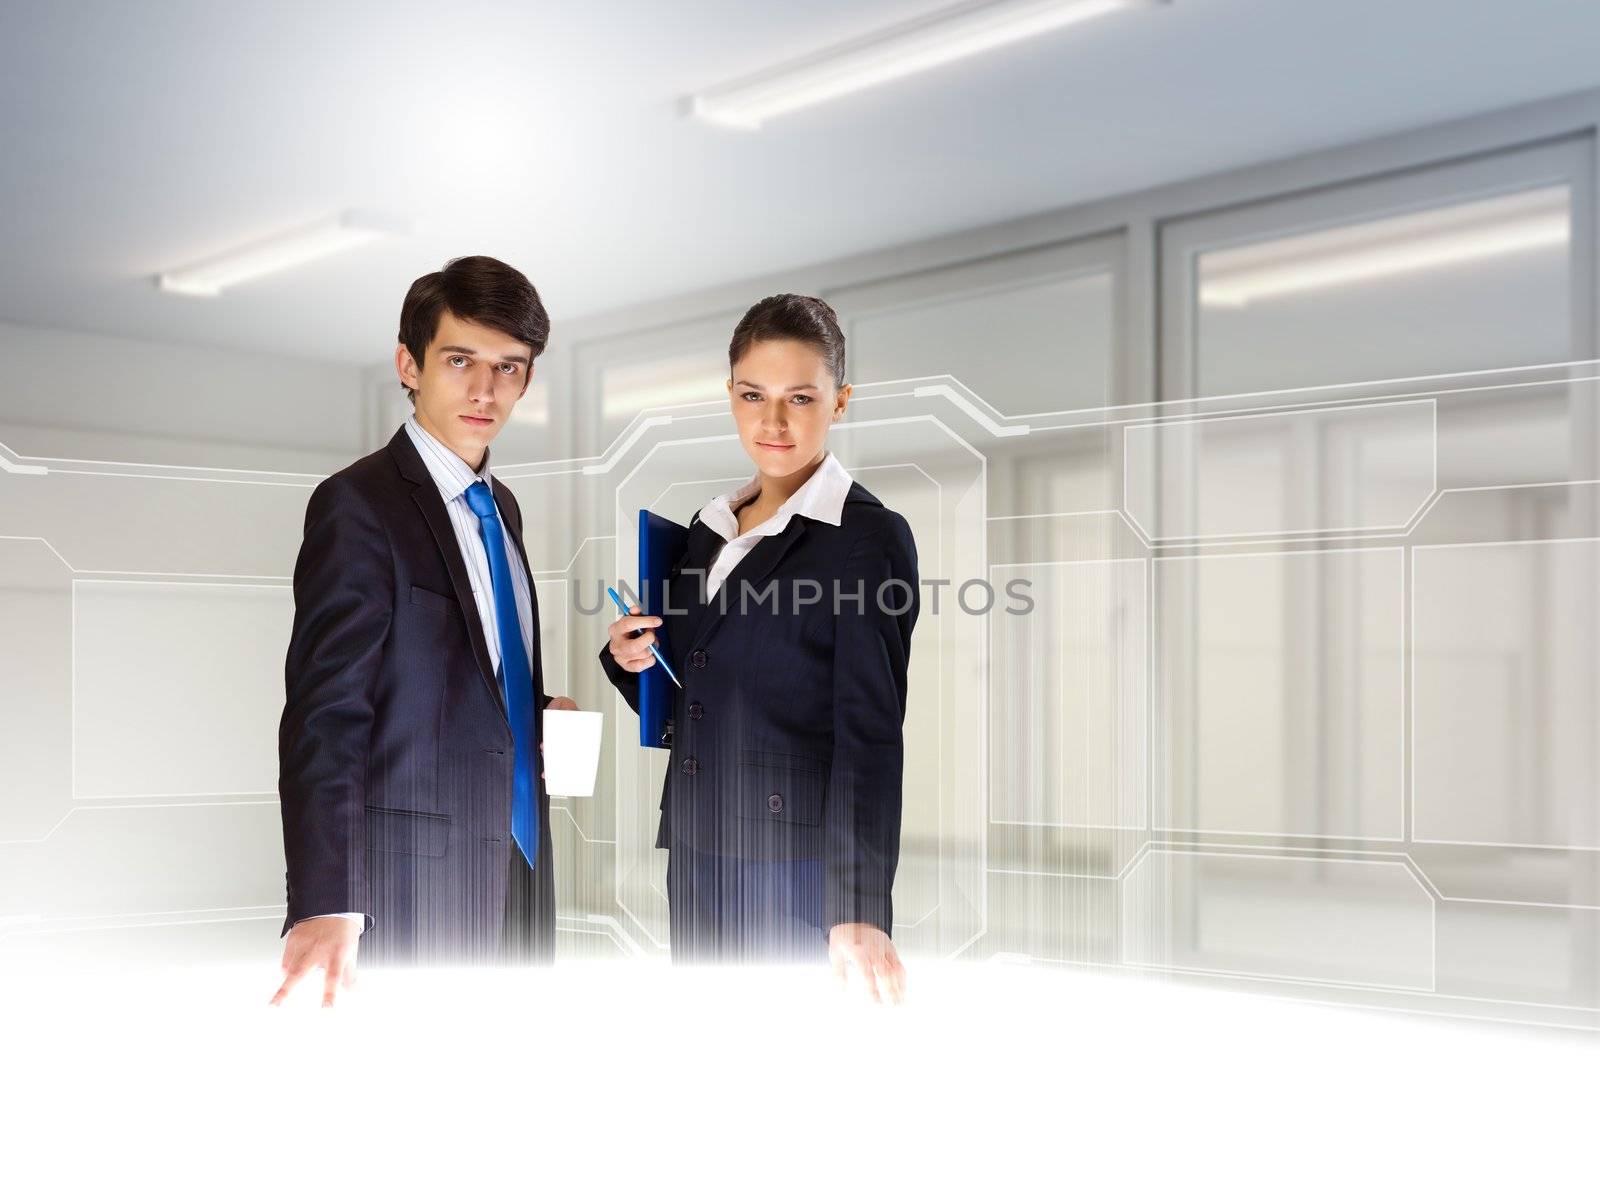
(690, 606)
(444, 535)
(426, 496)
(753, 570)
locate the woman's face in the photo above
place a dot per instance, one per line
(784, 401)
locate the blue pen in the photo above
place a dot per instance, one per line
(660, 658)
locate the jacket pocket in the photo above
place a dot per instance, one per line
(781, 787)
(437, 601)
(413, 833)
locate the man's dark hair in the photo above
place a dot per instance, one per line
(474, 288)
(787, 317)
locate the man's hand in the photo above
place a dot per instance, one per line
(872, 953)
(329, 943)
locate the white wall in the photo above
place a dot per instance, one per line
(91, 396)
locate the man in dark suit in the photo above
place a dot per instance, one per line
(414, 821)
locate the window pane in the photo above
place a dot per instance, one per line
(1042, 346)
(1466, 286)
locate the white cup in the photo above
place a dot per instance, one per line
(571, 752)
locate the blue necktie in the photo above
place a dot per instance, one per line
(516, 678)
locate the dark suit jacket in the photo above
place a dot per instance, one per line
(786, 737)
(395, 757)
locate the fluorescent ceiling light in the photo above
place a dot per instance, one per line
(895, 52)
(326, 236)
(1387, 247)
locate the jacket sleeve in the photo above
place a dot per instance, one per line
(343, 608)
(626, 682)
(872, 647)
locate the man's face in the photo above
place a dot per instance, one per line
(467, 384)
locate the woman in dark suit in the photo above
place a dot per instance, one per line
(789, 620)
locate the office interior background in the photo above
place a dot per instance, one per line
(1255, 335)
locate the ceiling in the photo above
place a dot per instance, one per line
(143, 136)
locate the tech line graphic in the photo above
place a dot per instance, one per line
(1307, 704)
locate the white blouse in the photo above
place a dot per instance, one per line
(820, 499)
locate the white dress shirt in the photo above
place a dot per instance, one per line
(820, 499)
(453, 475)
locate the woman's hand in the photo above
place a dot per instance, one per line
(633, 654)
(871, 952)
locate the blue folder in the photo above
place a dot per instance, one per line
(662, 543)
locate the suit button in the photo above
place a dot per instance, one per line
(775, 803)
(696, 711)
(691, 766)
(698, 659)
